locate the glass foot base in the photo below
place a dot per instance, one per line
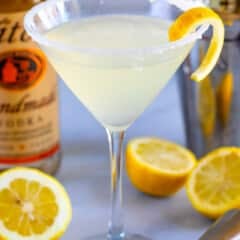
(127, 237)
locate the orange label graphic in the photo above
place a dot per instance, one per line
(20, 69)
(29, 128)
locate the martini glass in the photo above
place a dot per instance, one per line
(115, 57)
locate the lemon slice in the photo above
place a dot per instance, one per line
(214, 186)
(158, 167)
(33, 206)
(187, 23)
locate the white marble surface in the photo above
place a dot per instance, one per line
(85, 173)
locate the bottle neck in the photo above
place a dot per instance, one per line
(13, 6)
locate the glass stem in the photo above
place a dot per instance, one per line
(116, 231)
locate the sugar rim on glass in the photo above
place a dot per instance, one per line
(41, 39)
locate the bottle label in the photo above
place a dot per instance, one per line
(29, 128)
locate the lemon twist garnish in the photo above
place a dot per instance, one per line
(188, 22)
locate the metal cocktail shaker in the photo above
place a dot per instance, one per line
(211, 108)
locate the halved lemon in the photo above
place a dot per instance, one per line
(33, 206)
(158, 167)
(214, 186)
(187, 23)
